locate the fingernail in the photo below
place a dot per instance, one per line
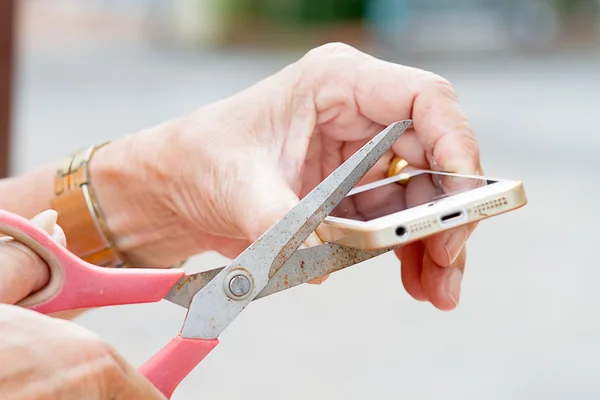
(453, 285)
(45, 220)
(59, 235)
(455, 243)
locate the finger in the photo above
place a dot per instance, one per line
(372, 90)
(386, 92)
(314, 240)
(445, 247)
(421, 190)
(411, 259)
(319, 280)
(22, 270)
(409, 148)
(444, 131)
(443, 284)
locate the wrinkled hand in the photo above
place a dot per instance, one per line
(45, 358)
(217, 178)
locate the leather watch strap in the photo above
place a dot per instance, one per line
(80, 216)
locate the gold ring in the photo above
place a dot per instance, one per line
(396, 166)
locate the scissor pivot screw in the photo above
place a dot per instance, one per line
(239, 286)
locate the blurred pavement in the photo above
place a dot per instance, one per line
(528, 324)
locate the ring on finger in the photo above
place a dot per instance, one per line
(396, 166)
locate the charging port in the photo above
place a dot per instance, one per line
(451, 217)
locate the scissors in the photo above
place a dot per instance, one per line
(216, 297)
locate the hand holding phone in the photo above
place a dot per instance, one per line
(411, 206)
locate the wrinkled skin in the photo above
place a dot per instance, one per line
(46, 358)
(217, 178)
(222, 175)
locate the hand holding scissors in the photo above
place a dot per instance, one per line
(216, 297)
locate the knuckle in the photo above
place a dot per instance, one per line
(440, 84)
(20, 254)
(331, 50)
(471, 148)
(109, 367)
(469, 152)
(330, 62)
(338, 47)
(83, 341)
(104, 364)
(461, 260)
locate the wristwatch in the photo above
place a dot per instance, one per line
(79, 214)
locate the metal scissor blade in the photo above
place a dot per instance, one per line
(293, 229)
(303, 266)
(185, 288)
(212, 309)
(308, 264)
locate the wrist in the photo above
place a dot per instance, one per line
(130, 181)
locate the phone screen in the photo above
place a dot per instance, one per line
(399, 193)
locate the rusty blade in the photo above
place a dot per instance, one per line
(303, 266)
(185, 288)
(308, 264)
(212, 309)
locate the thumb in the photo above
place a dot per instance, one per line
(22, 271)
(268, 200)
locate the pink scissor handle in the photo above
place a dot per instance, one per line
(167, 368)
(75, 283)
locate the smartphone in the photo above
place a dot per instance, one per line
(411, 206)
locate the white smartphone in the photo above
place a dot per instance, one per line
(413, 205)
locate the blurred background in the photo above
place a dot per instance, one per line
(527, 73)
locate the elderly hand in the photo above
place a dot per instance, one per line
(49, 358)
(217, 178)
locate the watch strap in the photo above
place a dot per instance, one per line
(79, 214)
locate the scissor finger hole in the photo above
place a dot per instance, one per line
(51, 260)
